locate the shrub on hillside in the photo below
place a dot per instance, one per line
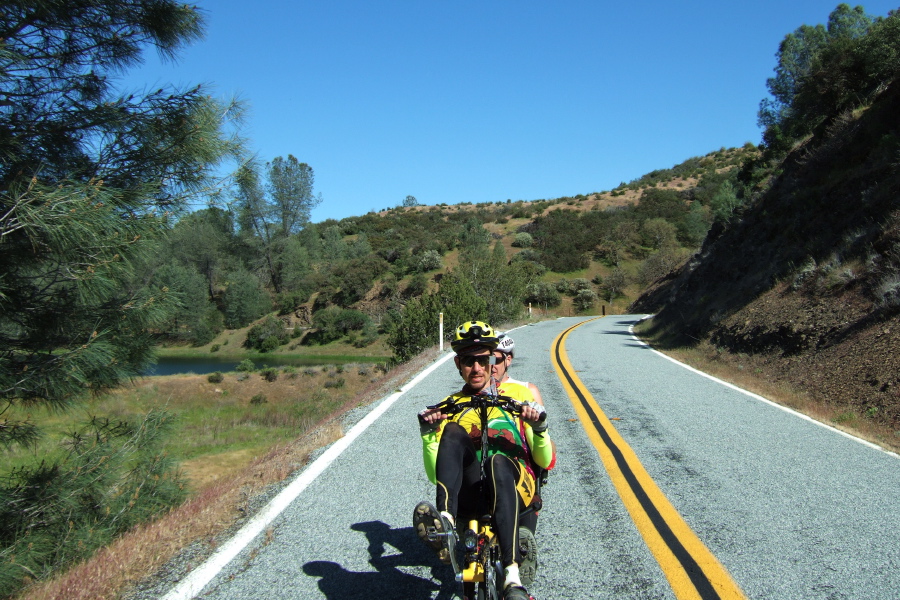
(523, 240)
(245, 366)
(429, 261)
(416, 327)
(267, 335)
(614, 284)
(542, 294)
(270, 374)
(578, 284)
(659, 264)
(584, 300)
(333, 323)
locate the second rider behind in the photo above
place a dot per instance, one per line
(451, 450)
(504, 355)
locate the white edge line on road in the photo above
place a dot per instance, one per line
(758, 397)
(194, 583)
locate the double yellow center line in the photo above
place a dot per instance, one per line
(692, 570)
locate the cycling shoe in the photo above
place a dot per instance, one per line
(528, 549)
(435, 530)
(516, 592)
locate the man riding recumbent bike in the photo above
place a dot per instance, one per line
(480, 495)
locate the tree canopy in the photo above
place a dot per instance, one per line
(825, 69)
(89, 177)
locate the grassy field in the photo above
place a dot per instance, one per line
(219, 427)
(231, 450)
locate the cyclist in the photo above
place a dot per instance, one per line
(503, 358)
(452, 462)
(505, 353)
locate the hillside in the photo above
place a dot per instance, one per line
(805, 280)
(342, 287)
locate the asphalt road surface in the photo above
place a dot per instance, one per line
(789, 508)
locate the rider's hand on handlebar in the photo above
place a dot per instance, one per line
(534, 414)
(430, 419)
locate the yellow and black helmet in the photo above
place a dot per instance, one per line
(474, 333)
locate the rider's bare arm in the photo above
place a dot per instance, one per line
(536, 394)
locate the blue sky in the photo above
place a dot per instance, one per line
(486, 101)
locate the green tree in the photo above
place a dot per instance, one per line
(267, 335)
(659, 264)
(542, 294)
(473, 235)
(290, 190)
(203, 240)
(695, 224)
(430, 260)
(584, 300)
(523, 239)
(332, 323)
(410, 201)
(724, 202)
(88, 180)
(618, 241)
(614, 284)
(195, 319)
(114, 475)
(501, 285)
(334, 248)
(417, 326)
(295, 266)
(272, 210)
(795, 56)
(244, 300)
(659, 232)
(564, 241)
(798, 55)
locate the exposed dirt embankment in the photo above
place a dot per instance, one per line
(834, 347)
(806, 279)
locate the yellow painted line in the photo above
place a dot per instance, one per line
(691, 569)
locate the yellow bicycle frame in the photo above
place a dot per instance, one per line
(474, 572)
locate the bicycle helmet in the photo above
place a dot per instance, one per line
(505, 344)
(473, 333)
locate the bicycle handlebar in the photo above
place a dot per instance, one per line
(452, 407)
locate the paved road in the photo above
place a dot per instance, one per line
(791, 509)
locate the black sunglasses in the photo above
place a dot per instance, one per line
(484, 361)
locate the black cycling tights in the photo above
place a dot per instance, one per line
(459, 488)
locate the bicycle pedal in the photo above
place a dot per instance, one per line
(434, 535)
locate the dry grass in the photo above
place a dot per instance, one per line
(750, 374)
(222, 495)
(145, 549)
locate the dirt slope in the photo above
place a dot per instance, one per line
(806, 281)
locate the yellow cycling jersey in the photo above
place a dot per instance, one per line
(508, 434)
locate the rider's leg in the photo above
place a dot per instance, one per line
(529, 521)
(457, 467)
(503, 475)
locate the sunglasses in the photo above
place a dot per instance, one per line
(484, 361)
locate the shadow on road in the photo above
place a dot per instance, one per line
(389, 551)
